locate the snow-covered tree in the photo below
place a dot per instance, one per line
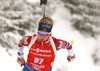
(85, 16)
(86, 19)
(19, 18)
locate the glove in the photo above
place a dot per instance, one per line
(70, 58)
(21, 61)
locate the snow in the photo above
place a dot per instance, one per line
(33, 1)
(83, 47)
(8, 63)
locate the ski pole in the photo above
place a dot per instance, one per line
(72, 41)
(43, 2)
(44, 11)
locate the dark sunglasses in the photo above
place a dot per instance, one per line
(44, 34)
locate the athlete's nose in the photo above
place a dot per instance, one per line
(42, 38)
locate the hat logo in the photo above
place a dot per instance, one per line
(44, 29)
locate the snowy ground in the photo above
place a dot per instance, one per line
(83, 48)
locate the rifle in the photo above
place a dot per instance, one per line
(44, 2)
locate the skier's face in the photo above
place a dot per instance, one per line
(43, 36)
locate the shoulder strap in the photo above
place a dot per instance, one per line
(53, 45)
(32, 42)
(51, 41)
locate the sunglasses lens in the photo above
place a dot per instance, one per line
(44, 34)
(39, 33)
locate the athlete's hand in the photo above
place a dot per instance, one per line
(21, 61)
(70, 58)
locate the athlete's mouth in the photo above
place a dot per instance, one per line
(42, 39)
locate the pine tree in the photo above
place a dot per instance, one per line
(85, 16)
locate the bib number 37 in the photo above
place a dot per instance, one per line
(38, 60)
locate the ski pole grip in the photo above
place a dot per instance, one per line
(43, 2)
(72, 42)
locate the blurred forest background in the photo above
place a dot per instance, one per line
(19, 18)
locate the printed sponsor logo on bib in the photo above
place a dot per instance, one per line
(39, 50)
